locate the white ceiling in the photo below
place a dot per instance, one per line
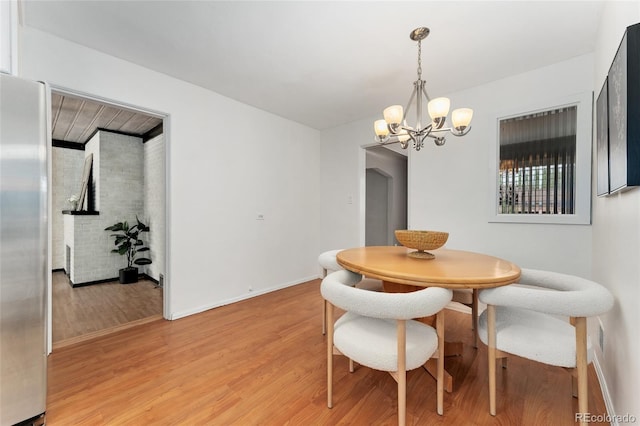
(325, 63)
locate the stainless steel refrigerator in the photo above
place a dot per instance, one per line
(23, 250)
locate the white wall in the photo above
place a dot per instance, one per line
(616, 244)
(227, 162)
(343, 180)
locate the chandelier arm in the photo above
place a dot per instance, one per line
(416, 139)
(418, 143)
(424, 131)
(393, 142)
(454, 132)
(426, 95)
(408, 107)
(438, 140)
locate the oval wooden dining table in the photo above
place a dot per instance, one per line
(454, 269)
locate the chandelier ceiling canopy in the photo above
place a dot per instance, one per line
(394, 128)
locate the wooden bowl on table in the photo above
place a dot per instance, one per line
(421, 241)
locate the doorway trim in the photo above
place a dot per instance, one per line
(388, 195)
(362, 178)
(166, 125)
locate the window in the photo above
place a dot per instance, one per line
(543, 164)
(537, 163)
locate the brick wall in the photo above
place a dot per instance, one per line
(154, 203)
(118, 174)
(66, 174)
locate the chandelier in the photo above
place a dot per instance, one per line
(394, 127)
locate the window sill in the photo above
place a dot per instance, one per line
(563, 219)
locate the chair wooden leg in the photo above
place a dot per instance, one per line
(324, 317)
(329, 355)
(440, 372)
(491, 332)
(581, 365)
(351, 368)
(402, 372)
(474, 317)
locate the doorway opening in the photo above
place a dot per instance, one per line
(128, 182)
(385, 194)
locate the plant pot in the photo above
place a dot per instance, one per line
(129, 275)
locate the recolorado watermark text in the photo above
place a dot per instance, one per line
(602, 418)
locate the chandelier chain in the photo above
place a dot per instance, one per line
(419, 59)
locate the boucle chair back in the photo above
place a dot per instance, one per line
(327, 261)
(339, 288)
(574, 296)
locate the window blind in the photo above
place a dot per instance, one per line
(537, 163)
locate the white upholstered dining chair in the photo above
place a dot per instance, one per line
(378, 331)
(328, 262)
(524, 319)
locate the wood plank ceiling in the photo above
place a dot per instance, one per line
(75, 120)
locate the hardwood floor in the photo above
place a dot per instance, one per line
(84, 312)
(262, 362)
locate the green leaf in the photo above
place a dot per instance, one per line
(142, 261)
(143, 249)
(141, 226)
(117, 227)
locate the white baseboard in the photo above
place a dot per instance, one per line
(199, 309)
(605, 390)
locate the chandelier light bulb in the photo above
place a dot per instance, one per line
(380, 127)
(438, 108)
(393, 114)
(403, 136)
(461, 118)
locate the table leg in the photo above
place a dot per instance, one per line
(431, 366)
(450, 348)
(474, 317)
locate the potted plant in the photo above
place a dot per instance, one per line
(128, 242)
